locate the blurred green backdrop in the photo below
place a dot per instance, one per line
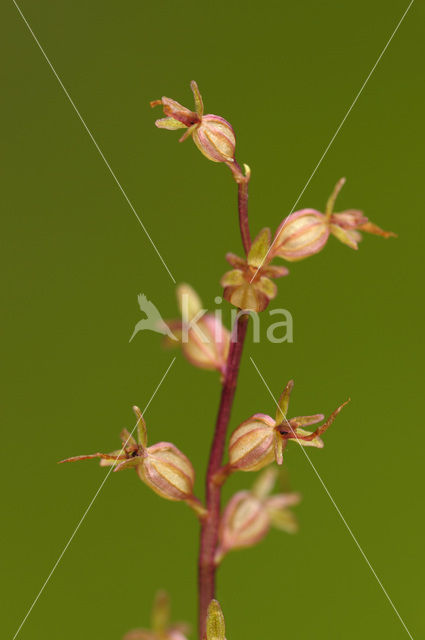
(75, 258)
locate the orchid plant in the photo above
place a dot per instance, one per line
(261, 440)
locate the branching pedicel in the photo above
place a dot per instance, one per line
(261, 439)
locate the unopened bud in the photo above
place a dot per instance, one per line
(215, 138)
(167, 471)
(302, 234)
(207, 344)
(251, 445)
(244, 523)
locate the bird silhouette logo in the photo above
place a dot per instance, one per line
(153, 320)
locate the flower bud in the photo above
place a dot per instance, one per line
(300, 235)
(249, 515)
(251, 445)
(204, 340)
(245, 521)
(167, 471)
(207, 344)
(215, 138)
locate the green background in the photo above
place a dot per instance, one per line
(74, 259)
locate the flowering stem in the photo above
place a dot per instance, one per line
(242, 181)
(209, 528)
(243, 214)
(210, 523)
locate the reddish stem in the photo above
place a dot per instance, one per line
(209, 525)
(243, 214)
(209, 528)
(242, 182)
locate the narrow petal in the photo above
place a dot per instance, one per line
(264, 483)
(235, 261)
(308, 439)
(274, 271)
(331, 418)
(306, 420)
(343, 236)
(369, 227)
(284, 402)
(279, 445)
(104, 456)
(169, 123)
(284, 520)
(130, 463)
(127, 439)
(267, 287)
(161, 613)
(141, 427)
(232, 278)
(332, 198)
(189, 302)
(199, 105)
(259, 248)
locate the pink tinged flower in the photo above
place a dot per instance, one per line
(213, 135)
(305, 233)
(249, 515)
(161, 628)
(204, 340)
(163, 467)
(261, 439)
(215, 627)
(250, 285)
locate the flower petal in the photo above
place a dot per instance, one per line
(306, 420)
(189, 302)
(259, 248)
(343, 236)
(267, 287)
(130, 463)
(274, 271)
(160, 612)
(236, 261)
(284, 402)
(106, 458)
(141, 427)
(284, 520)
(199, 105)
(232, 278)
(169, 123)
(264, 483)
(314, 442)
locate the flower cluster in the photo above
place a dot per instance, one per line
(163, 467)
(206, 343)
